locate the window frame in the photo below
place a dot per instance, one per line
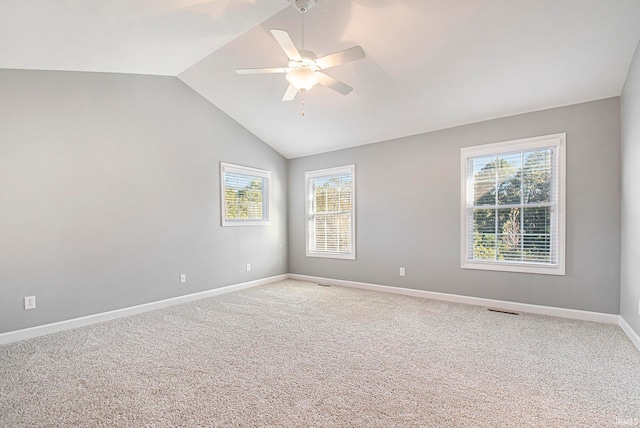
(266, 194)
(328, 172)
(556, 142)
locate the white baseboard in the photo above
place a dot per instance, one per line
(14, 336)
(27, 333)
(477, 301)
(633, 336)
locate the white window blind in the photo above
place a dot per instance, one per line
(331, 213)
(513, 205)
(245, 195)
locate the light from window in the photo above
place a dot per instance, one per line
(245, 195)
(331, 213)
(513, 205)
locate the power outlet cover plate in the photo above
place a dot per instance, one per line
(30, 302)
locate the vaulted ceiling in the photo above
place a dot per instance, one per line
(430, 64)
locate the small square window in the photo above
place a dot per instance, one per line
(245, 195)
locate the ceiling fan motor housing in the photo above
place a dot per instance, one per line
(303, 5)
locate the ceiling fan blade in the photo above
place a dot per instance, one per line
(347, 55)
(290, 94)
(285, 42)
(262, 70)
(334, 84)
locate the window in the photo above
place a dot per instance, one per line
(331, 213)
(245, 195)
(513, 209)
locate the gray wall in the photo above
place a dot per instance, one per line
(408, 211)
(110, 189)
(630, 281)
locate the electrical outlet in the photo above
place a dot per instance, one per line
(183, 278)
(248, 267)
(402, 271)
(29, 302)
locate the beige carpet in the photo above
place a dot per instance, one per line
(296, 354)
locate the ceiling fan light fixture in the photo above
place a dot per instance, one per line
(303, 79)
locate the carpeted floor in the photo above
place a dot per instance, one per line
(295, 354)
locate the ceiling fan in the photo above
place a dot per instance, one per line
(304, 69)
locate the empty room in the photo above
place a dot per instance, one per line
(319, 213)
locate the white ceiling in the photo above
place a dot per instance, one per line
(431, 64)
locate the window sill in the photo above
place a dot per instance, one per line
(343, 256)
(513, 267)
(233, 223)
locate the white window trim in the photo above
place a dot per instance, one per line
(558, 141)
(238, 169)
(348, 169)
